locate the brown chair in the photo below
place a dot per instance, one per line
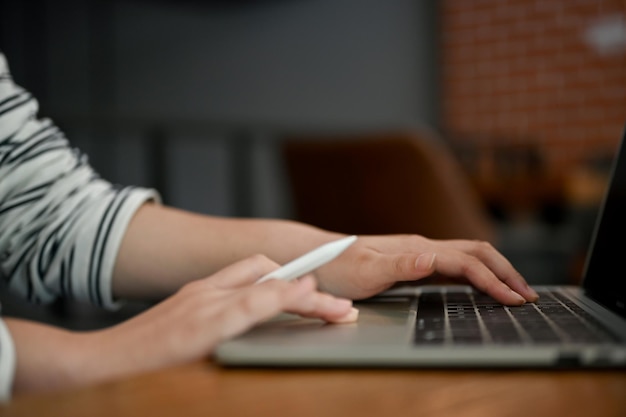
(400, 182)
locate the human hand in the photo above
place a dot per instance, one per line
(374, 263)
(189, 325)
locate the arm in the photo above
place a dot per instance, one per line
(65, 232)
(184, 327)
(164, 248)
(60, 231)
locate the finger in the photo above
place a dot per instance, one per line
(497, 263)
(458, 264)
(324, 306)
(257, 303)
(381, 271)
(406, 266)
(376, 271)
(244, 272)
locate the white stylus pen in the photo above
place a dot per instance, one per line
(310, 260)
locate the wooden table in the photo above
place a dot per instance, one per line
(203, 389)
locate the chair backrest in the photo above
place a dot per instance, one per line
(398, 182)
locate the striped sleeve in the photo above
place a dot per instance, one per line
(7, 363)
(60, 224)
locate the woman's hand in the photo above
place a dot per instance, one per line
(374, 263)
(203, 313)
(184, 327)
(202, 244)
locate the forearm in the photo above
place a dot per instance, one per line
(50, 358)
(164, 247)
(47, 357)
(185, 327)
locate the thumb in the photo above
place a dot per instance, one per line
(411, 266)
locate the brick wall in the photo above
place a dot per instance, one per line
(523, 71)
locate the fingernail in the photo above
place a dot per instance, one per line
(351, 317)
(518, 297)
(343, 302)
(534, 294)
(425, 261)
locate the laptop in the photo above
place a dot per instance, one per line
(457, 326)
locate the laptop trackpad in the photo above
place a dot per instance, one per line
(381, 322)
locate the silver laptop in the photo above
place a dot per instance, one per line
(456, 326)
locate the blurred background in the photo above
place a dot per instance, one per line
(196, 98)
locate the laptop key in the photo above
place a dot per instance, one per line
(479, 319)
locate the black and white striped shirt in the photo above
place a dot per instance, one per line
(60, 224)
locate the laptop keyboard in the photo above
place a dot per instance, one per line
(475, 318)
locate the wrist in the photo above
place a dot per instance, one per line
(47, 358)
(113, 353)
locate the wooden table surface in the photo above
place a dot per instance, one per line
(203, 389)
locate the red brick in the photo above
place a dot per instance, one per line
(525, 71)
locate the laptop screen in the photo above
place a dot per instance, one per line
(605, 272)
